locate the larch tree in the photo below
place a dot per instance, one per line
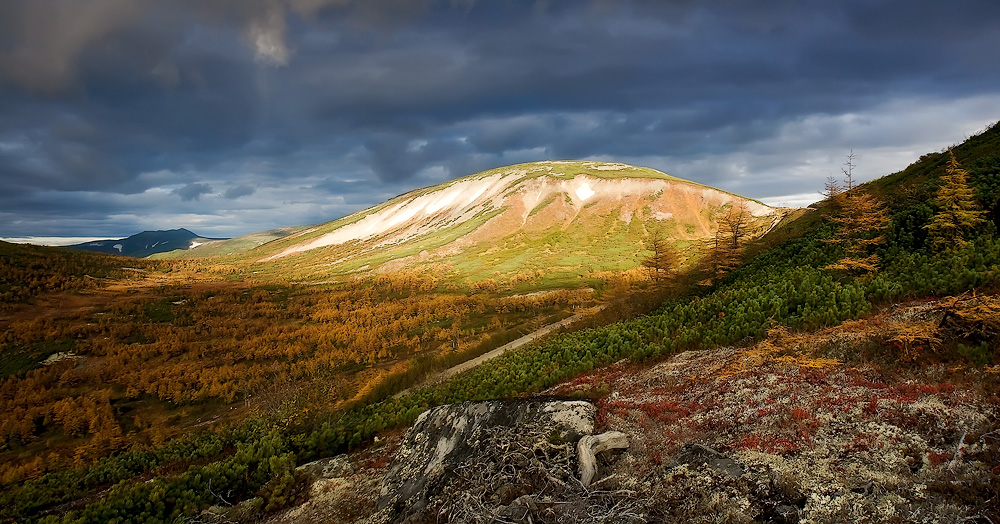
(735, 228)
(958, 213)
(862, 220)
(663, 262)
(832, 190)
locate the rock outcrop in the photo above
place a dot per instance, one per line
(493, 452)
(327, 468)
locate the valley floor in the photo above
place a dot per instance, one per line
(828, 426)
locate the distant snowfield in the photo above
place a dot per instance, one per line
(51, 241)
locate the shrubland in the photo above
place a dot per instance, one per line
(27, 272)
(140, 367)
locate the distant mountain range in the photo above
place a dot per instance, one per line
(146, 243)
(229, 246)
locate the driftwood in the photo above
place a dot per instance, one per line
(589, 446)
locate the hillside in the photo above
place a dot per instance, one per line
(28, 271)
(566, 220)
(146, 243)
(785, 390)
(801, 427)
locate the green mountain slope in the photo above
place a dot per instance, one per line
(557, 221)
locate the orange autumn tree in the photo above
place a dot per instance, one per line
(862, 220)
(735, 229)
(958, 213)
(663, 262)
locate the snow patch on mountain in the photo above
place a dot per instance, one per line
(583, 191)
(459, 201)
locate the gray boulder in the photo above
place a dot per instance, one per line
(697, 454)
(327, 468)
(446, 438)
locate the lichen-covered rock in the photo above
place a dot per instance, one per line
(246, 511)
(327, 468)
(698, 454)
(447, 438)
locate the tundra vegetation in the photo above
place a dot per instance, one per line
(118, 432)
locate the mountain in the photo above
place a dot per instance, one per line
(146, 243)
(566, 219)
(228, 246)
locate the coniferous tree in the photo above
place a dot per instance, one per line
(663, 262)
(957, 210)
(735, 227)
(832, 190)
(862, 221)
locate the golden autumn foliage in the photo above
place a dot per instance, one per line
(663, 261)
(147, 358)
(958, 212)
(736, 227)
(862, 219)
(28, 271)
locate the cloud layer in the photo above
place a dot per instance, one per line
(227, 116)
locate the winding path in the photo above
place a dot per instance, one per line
(526, 339)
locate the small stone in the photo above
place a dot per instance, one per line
(697, 454)
(243, 512)
(507, 493)
(520, 509)
(786, 514)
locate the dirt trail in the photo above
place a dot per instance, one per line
(526, 339)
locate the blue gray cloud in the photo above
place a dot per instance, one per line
(303, 110)
(192, 191)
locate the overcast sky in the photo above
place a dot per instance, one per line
(233, 116)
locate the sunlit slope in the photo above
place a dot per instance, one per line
(566, 220)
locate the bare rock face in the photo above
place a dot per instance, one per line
(449, 443)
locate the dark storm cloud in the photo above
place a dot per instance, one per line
(306, 107)
(192, 191)
(239, 191)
